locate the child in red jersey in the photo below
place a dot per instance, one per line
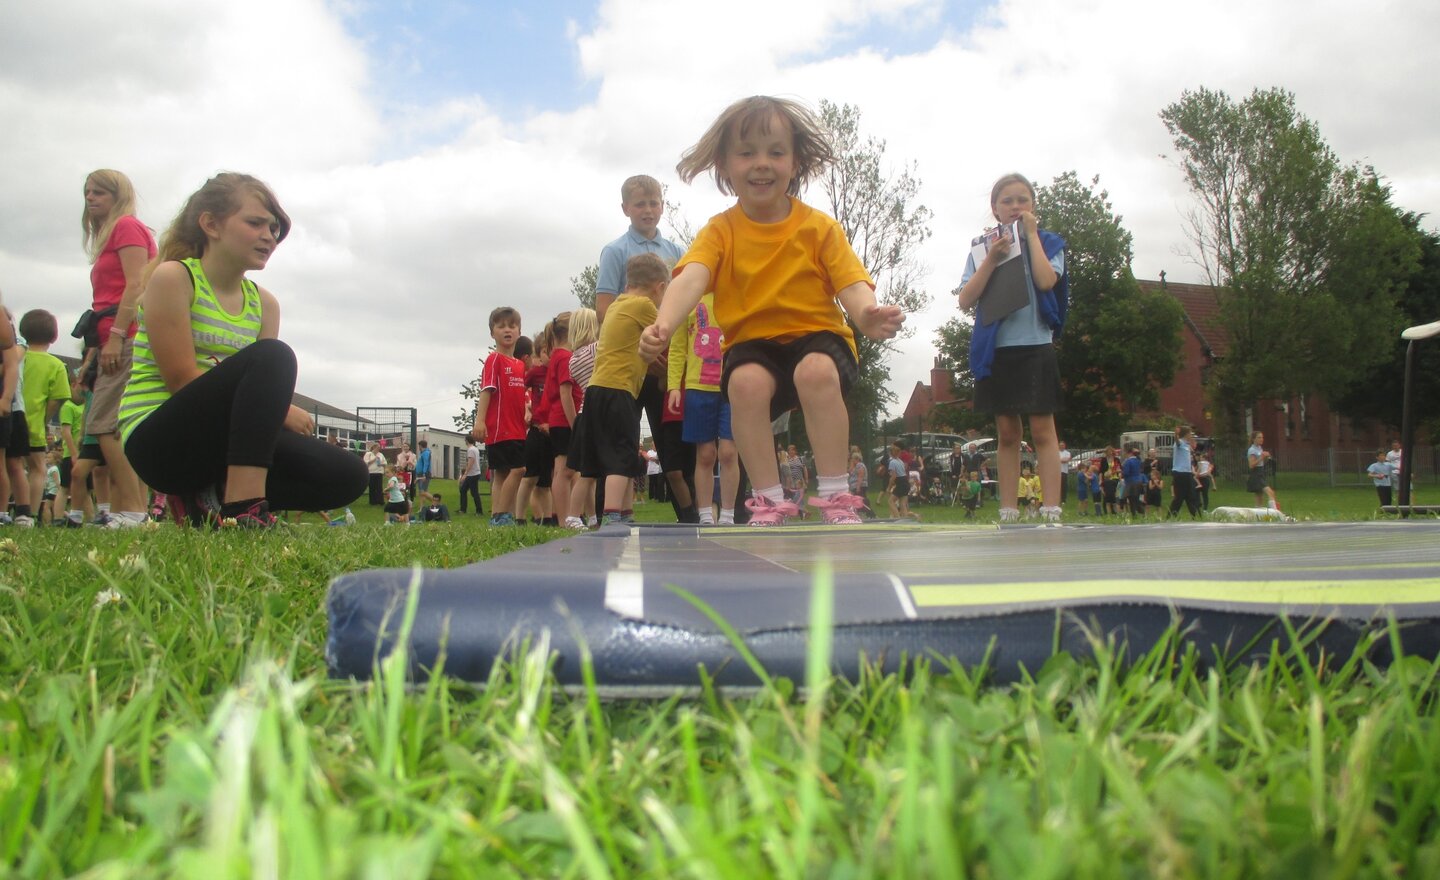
(500, 416)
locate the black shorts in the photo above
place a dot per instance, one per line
(1024, 379)
(92, 452)
(1257, 481)
(781, 359)
(607, 440)
(901, 489)
(507, 455)
(539, 460)
(66, 466)
(15, 435)
(672, 448)
(397, 507)
(561, 440)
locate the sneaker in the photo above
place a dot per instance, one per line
(839, 509)
(502, 519)
(1009, 515)
(5, 520)
(102, 518)
(121, 521)
(256, 516)
(764, 512)
(1050, 514)
(187, 510)
(24, 522)
(575, 523)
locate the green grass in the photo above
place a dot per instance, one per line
(164, 711)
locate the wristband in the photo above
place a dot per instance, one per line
(117, 330)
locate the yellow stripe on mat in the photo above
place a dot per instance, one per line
(1359, 592)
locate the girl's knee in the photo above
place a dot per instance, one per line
(749, 380)
(817, 372)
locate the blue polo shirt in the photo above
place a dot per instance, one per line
(611, 277)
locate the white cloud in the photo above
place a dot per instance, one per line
(413, 222)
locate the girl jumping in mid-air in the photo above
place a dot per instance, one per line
(781, 271)
(1013, 359)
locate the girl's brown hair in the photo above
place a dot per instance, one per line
(220, 197)
(97, 230)
(560, 331)
(812, 146)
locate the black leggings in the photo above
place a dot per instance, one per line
(234, 414)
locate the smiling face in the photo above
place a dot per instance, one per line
(758, 166)
(644, 210)
(1014, 199)
(248, 236)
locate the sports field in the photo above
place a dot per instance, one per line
(164, 711)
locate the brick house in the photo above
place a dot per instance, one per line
(1298, 424)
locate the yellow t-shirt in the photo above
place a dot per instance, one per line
(1030, 488)
(777, 280)
(617, 353)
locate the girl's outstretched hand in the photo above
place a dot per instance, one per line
(880, 321)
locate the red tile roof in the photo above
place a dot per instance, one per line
(1202, 312)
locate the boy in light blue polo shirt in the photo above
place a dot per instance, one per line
(643, 201)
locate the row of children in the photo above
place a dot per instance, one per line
(35, 386)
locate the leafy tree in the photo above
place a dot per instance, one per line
(470, 391)
(1120, 345)
(876, 207)
(1380, 394)
(1309, 255)
(583, 285)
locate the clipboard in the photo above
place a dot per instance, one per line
(1008, 290)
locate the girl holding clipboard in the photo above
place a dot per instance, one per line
(1012, 352)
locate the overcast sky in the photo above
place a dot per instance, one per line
(441, 158)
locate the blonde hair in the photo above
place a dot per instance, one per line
(560, 331)
(97, 230)
(812, 146)
(584, 327)
(220, 198)
(640, 183)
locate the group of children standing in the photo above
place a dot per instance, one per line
(35, 385)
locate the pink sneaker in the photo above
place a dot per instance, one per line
(839, 509)
(764, 512)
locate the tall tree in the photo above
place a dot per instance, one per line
(583, 285)
(1309, 255)
(1120, 345)
(876, 205)
(1380, 394)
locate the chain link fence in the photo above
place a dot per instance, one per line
(1323, 467)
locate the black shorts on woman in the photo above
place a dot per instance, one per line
(781, 358)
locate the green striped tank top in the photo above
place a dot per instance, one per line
(215, 333)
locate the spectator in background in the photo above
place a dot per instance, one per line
(1064, 473)
(421, 483)
(470, 479)
(375, 466)
(119, 246)
(1383, 478)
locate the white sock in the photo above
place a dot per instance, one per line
(727, 516)
(707, 516)
(136, 515)
(775, 493)
(833, 486)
